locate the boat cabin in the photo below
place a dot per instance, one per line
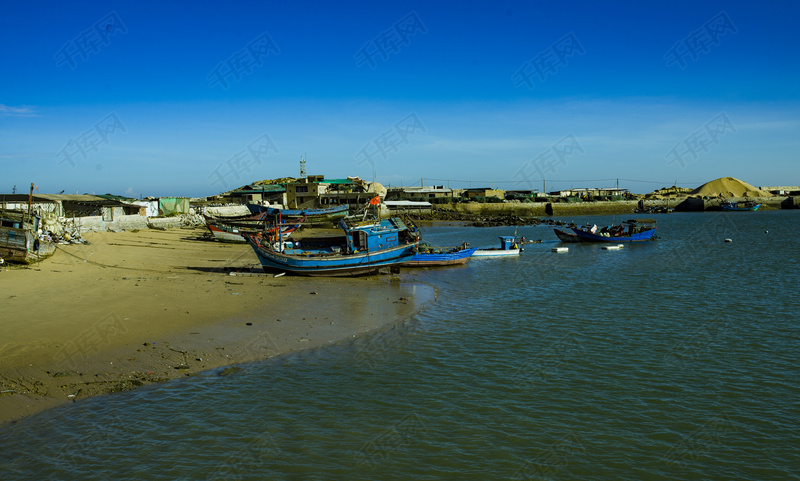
(371, 236)
(507, 242)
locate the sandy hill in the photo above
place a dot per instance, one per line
(729, 187)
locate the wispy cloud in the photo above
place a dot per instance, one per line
(11, 111)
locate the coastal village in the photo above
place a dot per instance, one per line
(33, 223)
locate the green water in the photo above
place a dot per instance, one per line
(673, 359)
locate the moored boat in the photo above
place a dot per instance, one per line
(431, 256)
(634, 230)
(364, 248)
(745, 206)
(508, 247)
(565, 236)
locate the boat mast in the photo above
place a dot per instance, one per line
(30, 201)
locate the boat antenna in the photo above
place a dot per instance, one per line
(30, 200)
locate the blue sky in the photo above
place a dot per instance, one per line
(195, 98)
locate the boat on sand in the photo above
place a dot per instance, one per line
(364, 247)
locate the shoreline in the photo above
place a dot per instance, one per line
(140, 307)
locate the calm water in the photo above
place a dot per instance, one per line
(675, 359)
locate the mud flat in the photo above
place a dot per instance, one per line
(140, 307)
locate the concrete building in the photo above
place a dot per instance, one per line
(419, 193)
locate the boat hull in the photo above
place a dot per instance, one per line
(568, 237)
(586, 236)
(332, 265)
(736, 208)
(23, 246)
(313, 215)
(443, 259)
(496, 252)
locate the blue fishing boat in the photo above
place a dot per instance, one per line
(324, 214)
(740, 206)
(635, 230)
(431, 256)
(364, 248)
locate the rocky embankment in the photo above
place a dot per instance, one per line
(481, 220)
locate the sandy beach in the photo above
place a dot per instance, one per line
(139, 307)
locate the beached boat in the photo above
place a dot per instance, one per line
(225, 232)
(508, 247)
(364, 248)
(326, 214)
(19, 238)
(740, 206)
(635, 230)
(431, 256)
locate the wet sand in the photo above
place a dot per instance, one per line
(139, 307)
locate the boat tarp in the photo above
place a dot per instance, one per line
(173, 205)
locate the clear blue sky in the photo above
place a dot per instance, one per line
(194, 98)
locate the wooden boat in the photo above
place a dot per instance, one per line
(565, 236)
(431, 256)
(635, 230)
(224, 232)
(740, 206)
(508, 247)
(19, 238)
(327, 214)
(364, 248)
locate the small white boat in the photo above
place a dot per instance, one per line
(508, 247)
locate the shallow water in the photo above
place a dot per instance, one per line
(674, 359)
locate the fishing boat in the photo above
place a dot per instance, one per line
(634, 230)
(565, 236)
(432, 256)
(327, 214)
(363, 248)
(740, 206)
(508, 247)
(19, 238)
(231, 233)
